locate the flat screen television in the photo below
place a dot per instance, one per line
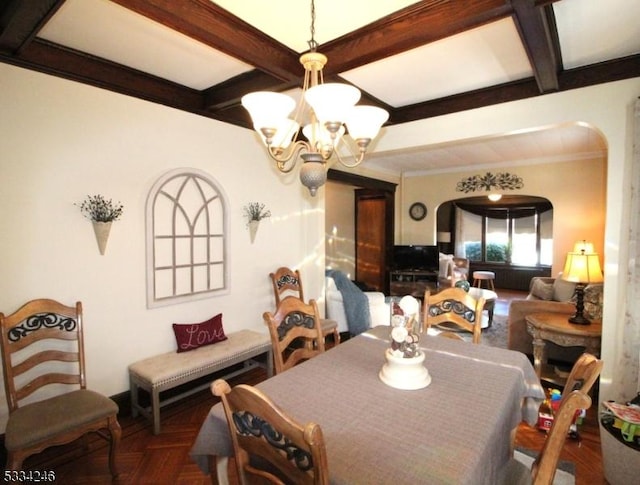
(416, 258)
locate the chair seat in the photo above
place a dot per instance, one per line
(54, 416)
(328, 326)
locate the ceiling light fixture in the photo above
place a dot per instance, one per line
(331, 108)
(494, 197)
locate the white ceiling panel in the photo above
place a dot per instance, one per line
(107, 30)
(488, 55)
(571, 141)
(586, 39)
(289, 21)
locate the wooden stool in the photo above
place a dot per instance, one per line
(479, 276)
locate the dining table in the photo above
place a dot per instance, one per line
(457, 430)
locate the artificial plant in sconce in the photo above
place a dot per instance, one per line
(101, 212)
(255, 212)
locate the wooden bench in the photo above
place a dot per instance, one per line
(166, 371)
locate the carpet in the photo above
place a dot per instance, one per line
(497, 334)
(565, 473)
(494, 336)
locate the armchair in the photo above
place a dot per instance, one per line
(452, 269)
(379, 309)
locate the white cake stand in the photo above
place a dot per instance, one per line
(404, 373)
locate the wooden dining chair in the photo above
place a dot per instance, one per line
(583, 375)
(44, 376)
(263, 434)
(543, 469)
(295, 332)
(453, 306)
(287, 282)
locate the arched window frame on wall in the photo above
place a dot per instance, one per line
(187, 238)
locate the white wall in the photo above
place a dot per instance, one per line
(61, 141)
(340, 227)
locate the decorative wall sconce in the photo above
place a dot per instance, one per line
(255, 212)
(101, 212)
(490, 182)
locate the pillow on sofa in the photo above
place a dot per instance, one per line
(190, 336)
(563, 290)
(592, 301)
(542, 290)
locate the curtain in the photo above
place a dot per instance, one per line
(628, 369)
(459, 234)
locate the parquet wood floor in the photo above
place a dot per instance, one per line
(163, 459)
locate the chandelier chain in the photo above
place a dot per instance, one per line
(312, 43)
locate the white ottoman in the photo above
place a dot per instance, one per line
(480, 276)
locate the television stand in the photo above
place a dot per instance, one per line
(413, 282)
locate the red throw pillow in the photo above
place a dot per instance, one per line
(190, 336)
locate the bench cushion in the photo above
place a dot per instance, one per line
(173, 368)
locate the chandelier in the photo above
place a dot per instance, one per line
(326, 113)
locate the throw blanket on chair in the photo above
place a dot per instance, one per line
(356, 303)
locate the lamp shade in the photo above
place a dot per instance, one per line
(582, 268)
(365, 121)
(583, 245)
(332, 101)
(268, 109)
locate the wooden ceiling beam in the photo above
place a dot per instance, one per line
(210, 24)
(539, 35)
(20, 21)
(50, 58)
(411, 27)
(604, 72)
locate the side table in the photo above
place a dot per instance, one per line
(556, 328)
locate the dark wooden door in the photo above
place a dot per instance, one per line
(374, 237)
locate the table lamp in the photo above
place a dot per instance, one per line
(581, 268)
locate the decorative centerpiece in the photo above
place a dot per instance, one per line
(404, 367)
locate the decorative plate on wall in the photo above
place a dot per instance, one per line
(418, 211)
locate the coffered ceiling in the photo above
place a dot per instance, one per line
(415, 59)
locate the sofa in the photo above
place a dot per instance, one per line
(550, 295)
(379, 309)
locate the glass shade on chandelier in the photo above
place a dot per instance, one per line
(327, 112)
(582, 268)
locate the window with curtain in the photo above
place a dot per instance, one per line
(510, 234)
(186, 238)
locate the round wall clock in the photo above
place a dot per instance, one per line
(418, 211)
